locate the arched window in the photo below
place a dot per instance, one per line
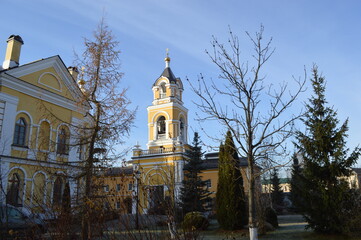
(20, 132)
(163, 90)
(161, 125)
(39, 189)
(63, 141)
(58, 191)
(13, 196)
(181, 128)
(44, 136)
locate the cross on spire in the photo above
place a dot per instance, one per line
(167, 58)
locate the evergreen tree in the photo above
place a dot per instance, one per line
(230, 197)
(296, 182)
(277, 193)
(326, 161)
(194, 193)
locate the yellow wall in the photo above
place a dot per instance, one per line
(108, 189)
(39, 170)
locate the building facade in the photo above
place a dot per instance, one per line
(116, 188)
(39, 105)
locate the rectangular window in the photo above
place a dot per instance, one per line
(106, 188)
(117, 205)
(118, 187)
(130, 186)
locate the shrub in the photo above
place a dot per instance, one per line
(194, 221)
(271, 217)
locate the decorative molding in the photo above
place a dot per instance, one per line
(49, 73)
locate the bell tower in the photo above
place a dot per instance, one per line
(160, 167)
(167, 117)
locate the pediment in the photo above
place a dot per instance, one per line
(49, 74)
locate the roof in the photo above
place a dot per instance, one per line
(118, 171)
(54, 61)
(211, 161)
(168, 74)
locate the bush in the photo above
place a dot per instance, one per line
(194, 221)
(271, 217)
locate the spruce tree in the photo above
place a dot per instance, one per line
(277, 193)
(194, 194)
(230, 197)
(296, 182)
(326, 161)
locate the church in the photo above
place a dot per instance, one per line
(158, 170)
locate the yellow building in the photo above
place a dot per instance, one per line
(210, 172)
(39, 104)
(159, 169)
(116, 188)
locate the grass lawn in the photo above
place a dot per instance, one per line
(292, 227)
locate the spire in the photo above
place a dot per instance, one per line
(167, 58)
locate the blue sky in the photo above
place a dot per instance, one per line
(304, 32)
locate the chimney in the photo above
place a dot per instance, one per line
(73, 72)
(13, 52)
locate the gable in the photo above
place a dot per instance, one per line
(49, 79)
(49, 74)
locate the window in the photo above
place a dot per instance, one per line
(63, 139)
(181, 128)
(118, 187)
(44, 136)
(163, 90)
(13, 193)
(20, 132)
(58, 191)
(117, 205)
(161, 125)
(130, 186)
(39, 190)
(208, 183)
(106, 188)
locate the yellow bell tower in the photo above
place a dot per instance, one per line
(159, 169)
(167, 117)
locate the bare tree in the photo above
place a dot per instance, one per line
(110, 115)
(241, 99)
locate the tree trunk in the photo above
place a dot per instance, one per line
(86, 229)
(253, 226)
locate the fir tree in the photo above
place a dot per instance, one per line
(194, 194)
(277, 193)
(230, 197)
(326, 161)
(296, 183)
